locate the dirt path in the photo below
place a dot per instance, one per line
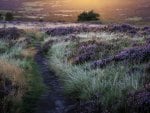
(52, 100)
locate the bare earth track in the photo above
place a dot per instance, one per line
(53, 100)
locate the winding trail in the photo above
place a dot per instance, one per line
(52, 100)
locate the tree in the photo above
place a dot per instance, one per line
(88, 16)
(9, 16)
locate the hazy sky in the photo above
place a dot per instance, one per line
(77, 4)
(68, 9)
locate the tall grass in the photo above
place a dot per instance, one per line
(13, 75)
(18, 67)
(35, 87)
(80, 81)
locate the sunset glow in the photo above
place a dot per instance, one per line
(67, 10)
(85, 3)
(93, 4)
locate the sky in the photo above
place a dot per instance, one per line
(69, 9)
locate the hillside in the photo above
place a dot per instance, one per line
(74, 68)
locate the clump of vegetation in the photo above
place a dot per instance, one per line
(82, 82)
(123, 29)
(128, 29)
(118, 87)
(110, 85)
(88, 16)
(134, 55)
(9, 16)
(35, 87)
(19, 90)
(12, 79)
(94, 50)
(12, 86)
(11, 34)
(138, 102)
(1, 16)
(147, 76)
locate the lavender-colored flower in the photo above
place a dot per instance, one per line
(101, 63)
(85, 49)
(60, 31)
(139, 102)
(124, 28)
(135, 55)
(84, 57)
(10, 33)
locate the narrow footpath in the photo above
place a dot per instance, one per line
(52, 100)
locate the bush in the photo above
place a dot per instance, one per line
(88, 16)
(9, 16)
(1, 16)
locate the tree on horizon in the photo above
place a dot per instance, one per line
(89, 16)
(9, 16)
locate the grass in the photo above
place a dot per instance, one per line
(35, 36)
(110, 84)
(29, 52)
(17, 66)
(35, 87)
(13, 72)
(13, 75)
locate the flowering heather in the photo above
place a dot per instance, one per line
(145, 30)
(139, 102)
(91, 50)
(147, 76)
(148, 40)
(124, 28)
(61, 31)
(10, 33)
(120, 28)
(134, 55)
(5, 89)
(147, 70)
(94, 50)
(73, 38)
(91, 106)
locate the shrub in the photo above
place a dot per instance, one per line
(88, 16)
(1, 16)
(9, 16)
